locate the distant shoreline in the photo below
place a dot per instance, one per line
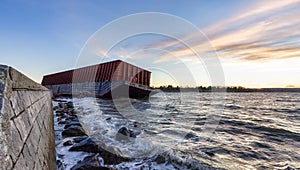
(228, 89)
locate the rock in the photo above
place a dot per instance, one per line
(79, 139)
(62, 105)
(134, 134)
(73, 112)
(62, 122)
(60, 156)
(86, 145)
(75, 121)
(211, 154)
(73, 131)
(70, 104)
(68, 143)
(63, 115)
(60, 110)
(70, 118)
(136, 124)
(55, 107)
(160, 159)
(125, 134)
(59, 165)
(73, 117)
(72, 123)
(111, 157)
(189, 135)
(89, 163)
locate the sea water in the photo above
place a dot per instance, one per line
(199, 130)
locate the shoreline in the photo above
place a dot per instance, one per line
(76, 149)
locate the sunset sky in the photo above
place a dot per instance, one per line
(257, 42)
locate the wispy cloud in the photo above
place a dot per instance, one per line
(265, 31)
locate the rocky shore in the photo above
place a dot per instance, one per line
(72, 139)
(76, 149)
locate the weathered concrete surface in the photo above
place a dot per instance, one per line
(26, 131)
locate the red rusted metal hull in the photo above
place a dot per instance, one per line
(136, 80)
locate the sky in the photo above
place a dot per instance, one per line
(245, 43)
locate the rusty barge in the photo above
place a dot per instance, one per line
(112, 79)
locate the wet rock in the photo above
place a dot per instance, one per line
(211, 154)
(60, 113)
(125, 134)
(189, 135)
(73, 131)
(55, 107)
(136, 124)
(86, 145)
(111, 156)
(124, 131)
(72, 123)
(75, 121)
(73, 117)
(89, 163)
(60, 110)
(73, 112)
(69, 105)
(62, 122)
(79, 139)
(160, 159)
(59, 165)
(60, 156)
(62, 105)
(68, 143)
(63, 115)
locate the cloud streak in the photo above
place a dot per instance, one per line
(268, 30)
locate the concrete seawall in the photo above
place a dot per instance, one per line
(26, 123)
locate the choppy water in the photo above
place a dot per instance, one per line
(201, 130)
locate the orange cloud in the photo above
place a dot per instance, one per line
(266, 31)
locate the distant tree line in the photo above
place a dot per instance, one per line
(170, 88)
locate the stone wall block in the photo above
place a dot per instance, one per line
(27, 127)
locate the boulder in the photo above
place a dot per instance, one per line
(189, 135)
(55, 107)
(62, 105)
(111, 156)
(89, 163)
(86, 145)
(73, 131)
(68, 143)
(70, 105)
(73, 117)
(59, 165)
(160, 159)
(79, 139)
(125, 134)
(62, 122)
(60, 110)
(72, 123)
(72, 112)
